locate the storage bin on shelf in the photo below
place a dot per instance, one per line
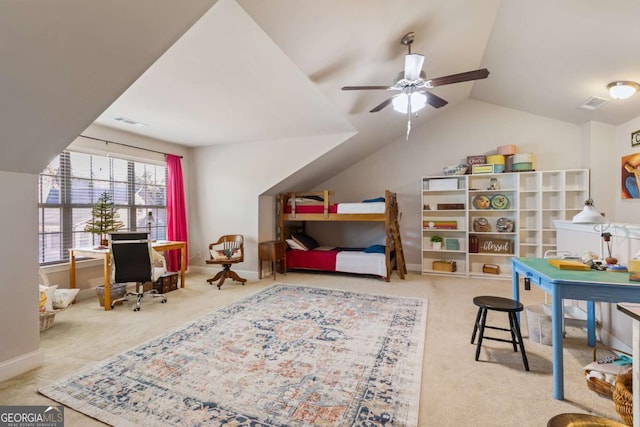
(444, 265)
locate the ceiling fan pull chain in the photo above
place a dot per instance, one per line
(408, 116)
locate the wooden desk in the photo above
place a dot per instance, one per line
(589, 286)
(273, 251)
(104, 254)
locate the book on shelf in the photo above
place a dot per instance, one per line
(450, 225)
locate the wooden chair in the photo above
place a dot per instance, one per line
(228, 250)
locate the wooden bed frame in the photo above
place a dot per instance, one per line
(394, 254)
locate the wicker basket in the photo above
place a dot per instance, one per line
(623, 398)
(603, 388)
(46, 320)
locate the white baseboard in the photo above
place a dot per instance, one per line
(612, 341)
(415, 268)
(21, 364)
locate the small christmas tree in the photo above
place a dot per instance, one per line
(104, 219)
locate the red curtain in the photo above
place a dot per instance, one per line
(176, 211)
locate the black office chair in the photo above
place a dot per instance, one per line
(131, 254)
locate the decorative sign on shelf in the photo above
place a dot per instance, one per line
(492, 245)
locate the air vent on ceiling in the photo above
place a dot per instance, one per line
(130, 122)
(593, 103)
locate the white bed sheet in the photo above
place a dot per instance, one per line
(366, 208)
(361, 263)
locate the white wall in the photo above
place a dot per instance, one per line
(468, 129)
(20, 334)
(598, 154)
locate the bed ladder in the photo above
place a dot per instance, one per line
(400, 264)
(394, 230)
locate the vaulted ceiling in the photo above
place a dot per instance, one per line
(199, 73)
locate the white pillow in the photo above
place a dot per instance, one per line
(49, 291)
(62, 298)
(219, 255)
(295, 245)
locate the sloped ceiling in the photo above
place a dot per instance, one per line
(273, 70)
(64, 62)
(225, 81)
(269, 70)
(547, 57)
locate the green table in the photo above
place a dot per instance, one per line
(590, 286)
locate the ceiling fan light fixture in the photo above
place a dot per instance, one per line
(413, 66)
(622, 89)
(401, 103)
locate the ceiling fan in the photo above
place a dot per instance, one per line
(413, 85)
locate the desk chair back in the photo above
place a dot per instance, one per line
(132, 261)
(131, 257)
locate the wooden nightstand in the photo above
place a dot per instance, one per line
(273, 251)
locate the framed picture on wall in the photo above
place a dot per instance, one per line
(630, 182)
(635, 138)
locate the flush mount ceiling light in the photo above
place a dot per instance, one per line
(622, 89)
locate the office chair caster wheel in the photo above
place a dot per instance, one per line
(163, 301)
(136, 309)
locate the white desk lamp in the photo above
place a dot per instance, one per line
(589, 215)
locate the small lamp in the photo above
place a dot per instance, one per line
(589, 214)
(149, 222)
(622, 89)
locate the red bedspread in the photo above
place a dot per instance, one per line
(301, 209)
(316, 260)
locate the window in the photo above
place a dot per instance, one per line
(71, 184)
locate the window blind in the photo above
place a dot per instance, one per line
(69, 187)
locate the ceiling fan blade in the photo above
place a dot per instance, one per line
(458, 78)
(434, 100)
(367, 87)
(382, 105)
(412, 66)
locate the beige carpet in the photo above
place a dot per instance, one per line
(456, 390)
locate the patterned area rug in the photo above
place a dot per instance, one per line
(285, 356)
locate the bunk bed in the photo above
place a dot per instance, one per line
(381, 260)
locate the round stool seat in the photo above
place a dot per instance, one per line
(581, 420)
(498, 303)
(505, 305)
